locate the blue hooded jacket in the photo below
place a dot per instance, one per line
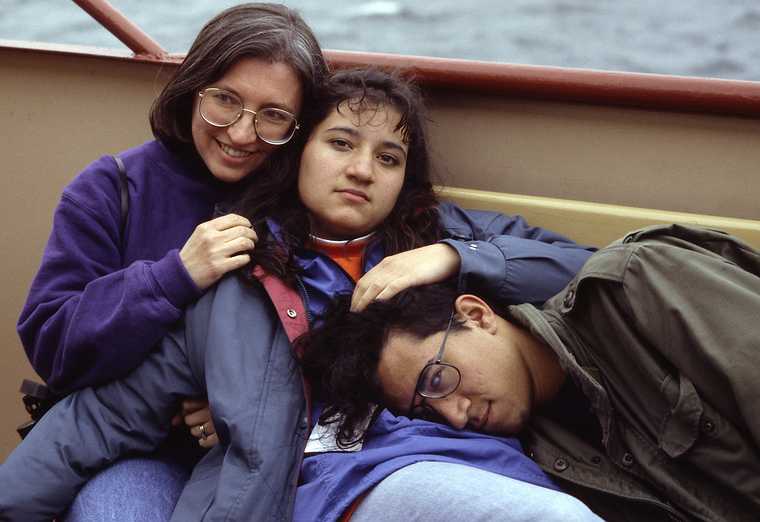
(234, 345)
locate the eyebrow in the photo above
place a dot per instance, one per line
(355, 133)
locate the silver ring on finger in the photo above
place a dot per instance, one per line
(202, 430)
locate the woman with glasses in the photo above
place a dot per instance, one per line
(358, 211)
(111, 286)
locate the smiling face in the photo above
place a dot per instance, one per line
(496, 393)
(231, 153)
(352, 170)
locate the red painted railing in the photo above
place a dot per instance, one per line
(647, 91)
(122, 28)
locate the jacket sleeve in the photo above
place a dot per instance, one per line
(90, 429)
(507, 259)
(700, 310)
(88, 319)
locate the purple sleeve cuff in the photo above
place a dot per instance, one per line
(174, 280)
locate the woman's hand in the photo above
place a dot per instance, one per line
(197, 415)
(421, 266)
(217, 247)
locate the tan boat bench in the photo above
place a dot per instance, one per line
(595, 224)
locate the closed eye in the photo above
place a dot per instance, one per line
(436, 379)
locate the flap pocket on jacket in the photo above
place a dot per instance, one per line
(680, 427)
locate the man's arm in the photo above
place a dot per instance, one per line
(702, 310)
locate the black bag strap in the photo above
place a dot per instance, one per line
(123, 193)
(37, 401)
(37, 397)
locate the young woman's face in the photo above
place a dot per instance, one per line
(352, 170)
(231, 153)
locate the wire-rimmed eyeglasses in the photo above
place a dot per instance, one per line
(222, 108)
(436, 381)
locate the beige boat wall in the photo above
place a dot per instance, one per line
(683, 145)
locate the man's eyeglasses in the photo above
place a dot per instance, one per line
(221, 108)
(436, 381)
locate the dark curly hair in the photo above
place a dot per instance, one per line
(413, 221)
(341, 355)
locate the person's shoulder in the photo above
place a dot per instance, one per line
(105, 167)
(149, 151)
(233, 292)
(95, 185)
(647, 251)
(100, 179)
(144, 160)
(233, 306)
(666, 244)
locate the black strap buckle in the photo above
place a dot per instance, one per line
(37, 400)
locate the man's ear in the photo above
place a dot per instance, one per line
(473, 309)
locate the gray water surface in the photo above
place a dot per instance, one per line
(684, 37)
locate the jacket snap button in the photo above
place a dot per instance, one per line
(708, 426)
(627, 460)
(291, 313)
(569, 299)
(560, 465)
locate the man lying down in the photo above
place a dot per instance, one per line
(637, 387)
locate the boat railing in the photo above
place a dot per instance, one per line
(122, 28)
(610, 88)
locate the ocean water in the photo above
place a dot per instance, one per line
(716, 38)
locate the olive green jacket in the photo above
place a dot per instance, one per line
(661, 332)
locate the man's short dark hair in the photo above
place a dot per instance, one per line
(340, 357)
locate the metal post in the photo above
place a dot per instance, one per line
(122, 27)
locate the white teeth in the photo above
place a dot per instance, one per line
(235, 153)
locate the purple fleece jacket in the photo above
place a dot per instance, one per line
(100, 302)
